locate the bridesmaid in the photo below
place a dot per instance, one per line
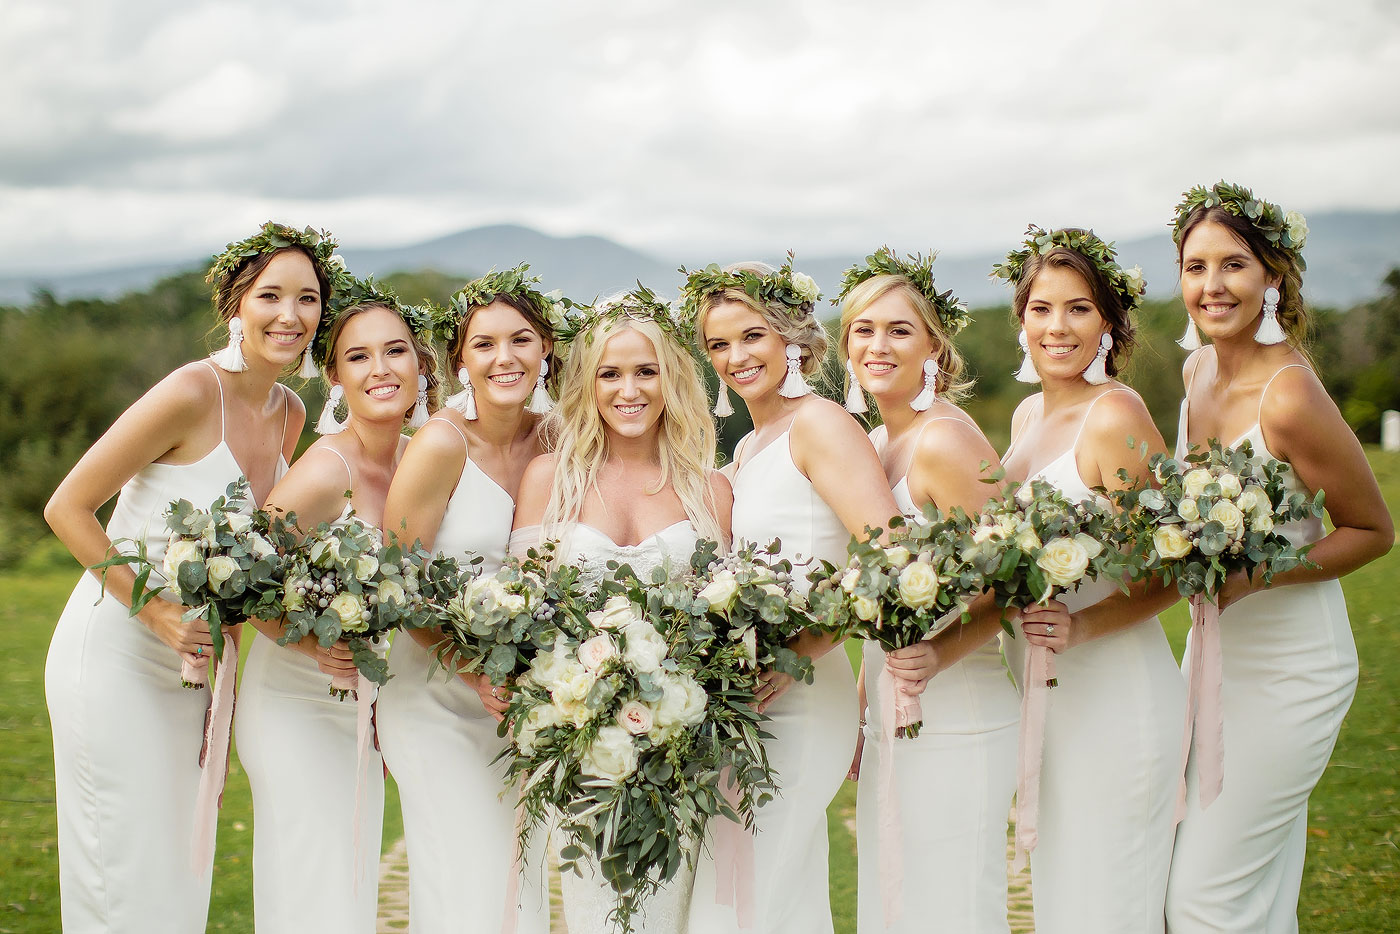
(807, 475)
(314, 869)
(896, 334)
(1112, 727)
(1289, 662)
(126, 735)
(455, 491)
(631, 479)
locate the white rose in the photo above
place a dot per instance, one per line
(1091, 545)
(540, 717)
(220, 568)
(1027, 540)
(238, 522)
(985, 533)
(750, 643)
(1188, 510)
(636, 718)
(865, 608)
(547, 667)
(1229, 485)
(773, 590)
(512, 603)
(850, 579)
(918, 585)
(1230, 516)
(336, 261)
(1171, 542)
(721, 591)
(596, 650)
(1064, 561)
(366, 566)
(1134, 281)
(390, 592)
(1025, 495)
(178, 552)
(1196, 481)
(350, 609)
(898, 556)
(612, 756)
(646, 648)
(1264, 522)
(805, 287)
(292, 599)
(1253, 500)
(570, 690)
(1297, 227)
(260, 547)
(616, 613)
(682, 702)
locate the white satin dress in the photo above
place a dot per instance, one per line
(1111, 764)
(439, 743)
(955, 782)
(127, 736)
(314, 867)
(813, 726)
(1289, 676)
(587, 897)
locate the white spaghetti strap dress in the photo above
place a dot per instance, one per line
(1289, 675)
(439, 743)
(955, 782)
(298, 744)
(127, 736)
(1112, 761)
(813, 726)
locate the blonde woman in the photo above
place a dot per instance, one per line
(630, 478)
(806, 475)
(454, 491)
(314, 868)
(955, 779)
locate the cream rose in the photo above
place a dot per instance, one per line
(292, 599)
(220, 568)
(1091, 545)
(682, 702)
(1264, 522)
(612, 756)
(721, 591)
(1133, 279)
(350, 608)
(390, 592)
(336, 261)
(541, 717)
(177, 553)
(1196, 481)
(238, 522)
(1229, 485)
(1253, 500)
(1027, 540)
(1188, 509)
(1297, 227)
(773, 590)
(260, 547)
(865, 608)
(646, 648)
(636, 718)
(366, 566)
(918, 585)
(512, 603)
(1230, 516)
(805, 287)
(850, 579)
(1025, 495)
(616, 613)
(597, 650)
(898, 556)
(1064, 561)
(547, 667)
(1171, 542)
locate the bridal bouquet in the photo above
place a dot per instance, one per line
(223, 562)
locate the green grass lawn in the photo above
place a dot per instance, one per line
(1352, 880)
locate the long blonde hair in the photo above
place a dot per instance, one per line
(574, 430)
(950, 384)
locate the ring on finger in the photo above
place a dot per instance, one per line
(1050, 629)
(199, 650)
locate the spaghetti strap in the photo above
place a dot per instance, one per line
(448, 423)
(1089, 411)
(1259, 415)
(1195, 362)
(286, 411)
(1017, 436)
(220, 384)
(348, 471)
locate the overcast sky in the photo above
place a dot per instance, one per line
(157, 129)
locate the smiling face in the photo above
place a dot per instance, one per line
(501, 353)
(627, 385)
(744, 350)
(281, 309)
(1062, 323)
(887, 344)
(376, 365)
(1222, 282)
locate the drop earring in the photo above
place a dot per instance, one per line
(1096, 373)
(1027, 373)
(929, 394)
(540, 403)
(1270, 332)
(794, 386)
(327, 424)
(231, 357)
(1190, 338)
(308, 365)
(465, 401)
(420, 408)
(855, 395)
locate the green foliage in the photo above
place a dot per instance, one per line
(794, 293)
(1126, 282)
(952, 313)
(1288, 231)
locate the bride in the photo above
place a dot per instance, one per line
(629, 478)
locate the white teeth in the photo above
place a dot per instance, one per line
(879, 367)
(1058, 351)
(284, 338)
(381, 391)
(630, 409)
(505, 379)
(745, 374)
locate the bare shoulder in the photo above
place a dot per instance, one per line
(1192, 364)
(189, 391)
(721, 489)
(539, 473)
(1296, 404)
(819, 419)
(438, 441)
(1117, 416)
(1024, 408)
(946, 442)
(296, 409)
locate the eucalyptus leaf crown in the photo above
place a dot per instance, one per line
(952, 312)
(484, 290)
(1286, 230)
(639, 304)
(348, 291)
(270, 238)
(1127, 283)
(794, 293)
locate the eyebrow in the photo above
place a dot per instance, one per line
(397, 340)
(908, 324)
(1229, 256)
(1045, 301)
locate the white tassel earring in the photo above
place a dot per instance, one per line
(723, 407)
(308, 366)
(231, 357)
(465, 401)
(1191, 338)
(1096, 373)
(327, 423)
(929, 394)
(1027, 373)
(1270, 332)
(794, 386)
(420, 409)
(855, 396)
(540, 403)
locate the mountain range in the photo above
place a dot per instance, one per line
(1348, 254)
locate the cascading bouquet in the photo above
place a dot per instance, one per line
(1215, 513)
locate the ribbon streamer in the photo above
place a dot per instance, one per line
(213, 758)
(1038, 678)
(734, 860)
(1205, 718)
(891, 836)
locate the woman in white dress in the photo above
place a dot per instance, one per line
(127, 736)
(956, 778)
(630, 477)
(1112, 726)
(314, 867)
(454, 491)
(806, 475)
(1289, 662)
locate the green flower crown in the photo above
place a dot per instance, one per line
(639, 304)
(349, 291)
(271, 238)
(1128, 283)
(952, 313)
(483, 290)
(1286, 230)
(795, 293)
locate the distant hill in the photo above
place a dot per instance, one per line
(1348, 254)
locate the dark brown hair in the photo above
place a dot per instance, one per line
(427, 357)
(232, 288)
(530, 312)
(1109, 302)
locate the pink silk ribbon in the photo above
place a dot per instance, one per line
(1035, 698)
(734, 861)
(1205, 719)
(213, 757)
(890, 835)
